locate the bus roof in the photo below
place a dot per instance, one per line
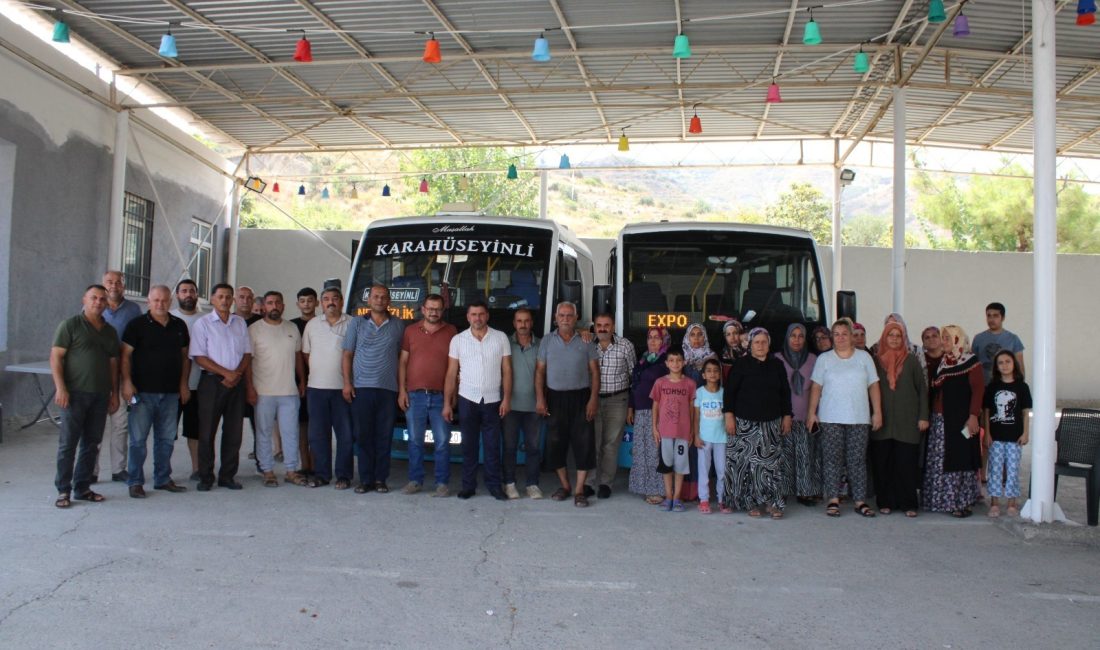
(564, 233)
(683, 226)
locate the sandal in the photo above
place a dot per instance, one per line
(677, 506)
(704, 507)
(994, 511)
(665, 504)
(342, 484)
(654, 499)
(884, 511)
(755, 512)
(724, 509)
(270, 480)
(777, 513)
(865, 510)
(313, 482)
(296, 478)
(381, 488)
(363, 488)
(580, 501)
(560, 494)
(1013, 511)
(910, 513)
(94, 497)
(63, 500)
(833, 509)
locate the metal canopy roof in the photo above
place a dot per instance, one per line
(612, 68)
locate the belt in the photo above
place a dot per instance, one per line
(618, 392)
(427, 391)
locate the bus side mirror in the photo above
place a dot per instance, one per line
(846, 304)
(603, 300)
(570, 291)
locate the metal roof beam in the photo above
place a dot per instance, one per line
(791, 13)
(581, 68)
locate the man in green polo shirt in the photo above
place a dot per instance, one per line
(84, 365)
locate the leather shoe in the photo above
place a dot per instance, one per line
(170, 486)
(231, 484)
(137, 492)
(204, 486)
(604, 492)
(465, 494)
(588, 491)
(497, 494)
(121, 477)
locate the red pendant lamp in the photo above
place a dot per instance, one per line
(696, 125)
(431, 50)
(303, 51)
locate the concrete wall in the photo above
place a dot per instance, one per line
(55, 179)
(944, 287)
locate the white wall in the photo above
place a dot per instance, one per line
(944, 287)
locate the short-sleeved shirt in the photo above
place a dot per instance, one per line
(376, 349)
(189, 319)
(275, 348)
(523, 374)
(987, 344)
(567, 363)
(121, 317)
(427, 366)
(324, 343)
(1006, 404)
(712, 423)
(224, 343)
(479, 364)
(88, 354)
(156, 363)
(844, 384)
(674, 401)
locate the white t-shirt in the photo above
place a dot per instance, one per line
(274, 349)
(193, 380)
(479, 370)
(844, 384)
(324, 343)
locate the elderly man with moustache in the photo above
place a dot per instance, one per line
(84, 366)
(155, 370)
(617, 360)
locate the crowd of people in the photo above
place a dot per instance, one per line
(823, 419)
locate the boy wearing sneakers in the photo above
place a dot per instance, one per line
(673, 427)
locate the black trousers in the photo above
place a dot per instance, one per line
(225, 405)
(895, 473)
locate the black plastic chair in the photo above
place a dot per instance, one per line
(1078, 437)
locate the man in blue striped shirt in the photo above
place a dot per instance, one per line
(372, 347)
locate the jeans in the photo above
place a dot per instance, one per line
(427, 408)
(225, 405)
(283, 408)
(328, 413)
(373, 411)
(156, 410)
(480, 425)
(531, 424)
(81, 425)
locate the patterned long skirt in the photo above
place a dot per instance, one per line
(807, 460)
(754, 465)
(644, 478)
(945, 491)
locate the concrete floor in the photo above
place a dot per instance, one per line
(311, 568)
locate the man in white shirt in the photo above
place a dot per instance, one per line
(484, 391)
(322, 350)
(187, 299)
(276, 359)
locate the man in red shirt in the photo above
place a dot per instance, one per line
(421, 371)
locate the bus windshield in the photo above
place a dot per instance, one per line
(505, 266)
(673, 279)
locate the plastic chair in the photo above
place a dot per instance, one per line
(1078, 436)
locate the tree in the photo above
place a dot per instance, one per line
(805, 207)
(995, 213)
(492, 192)
(867, 230)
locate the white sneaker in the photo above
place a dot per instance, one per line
(533, 491)
(442, 491)
(411, 488)
(510, 491)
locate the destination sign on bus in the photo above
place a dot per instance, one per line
(671, 319)
(403, 312)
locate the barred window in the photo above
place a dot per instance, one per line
(201, 254)
(137, 243)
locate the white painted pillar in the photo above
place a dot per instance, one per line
(542, 193)
(234, 235)
(837, 252)
(1041, 507)
(118, 190)
(898, 256)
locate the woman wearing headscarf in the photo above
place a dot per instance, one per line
(895, 448)
(644, 478)
(733, 349)
(757, 404)
(842, 380)
(801, 449)
(895, 317)
(697, 350)
(931, 352)
(822, 339)
(954, 447)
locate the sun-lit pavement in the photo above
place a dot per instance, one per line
(296, 567)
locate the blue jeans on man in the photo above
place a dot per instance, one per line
(82, 425)
(156, 410)
(328, 413)
(426, 408)
(480, 426)
(373, 411)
